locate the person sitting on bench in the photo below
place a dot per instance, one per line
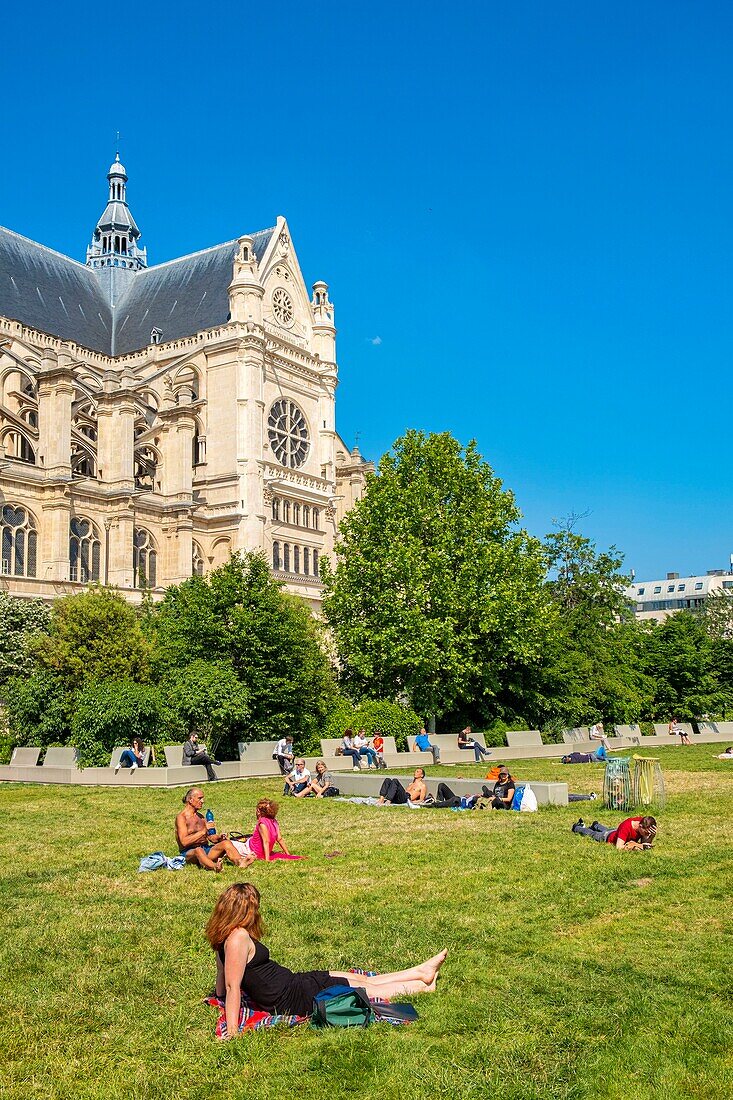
(362, 743)
(466, 741)
(132, 758)
(195, 753)
(422, 744)
(284, 754)
(348, 748)
(195, 841)
(393, 792)
(634, 832)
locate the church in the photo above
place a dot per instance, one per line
(157, 419)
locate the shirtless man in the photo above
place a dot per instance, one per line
(393, 791)
(196, 843)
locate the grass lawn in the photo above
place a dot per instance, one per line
(575, 971)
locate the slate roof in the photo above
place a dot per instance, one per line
(55, 294)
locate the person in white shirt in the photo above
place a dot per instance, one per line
(298, 782)
(284, 754)
(364, 748)
(597, 733)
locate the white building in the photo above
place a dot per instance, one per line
(660, 598)
(155, 419)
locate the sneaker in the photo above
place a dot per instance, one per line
(356, 769)
(218, 762)
(595, 825)
(593, 796)
(578, 824)
(133, 768)
(372, 767)
(117, 768)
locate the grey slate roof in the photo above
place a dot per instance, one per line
(53, 293)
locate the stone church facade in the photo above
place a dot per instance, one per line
(156, 419)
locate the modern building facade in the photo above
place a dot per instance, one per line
(155, 419)
(661, 598)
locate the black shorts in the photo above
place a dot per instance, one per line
(298, 1000)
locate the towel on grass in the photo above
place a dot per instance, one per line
(156, 860)
(252, 1018)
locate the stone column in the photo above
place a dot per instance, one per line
(55, 396)
(116, 435)
(250, 439)
(118, 535)
(54, 540)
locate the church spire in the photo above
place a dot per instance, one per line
(114, 242)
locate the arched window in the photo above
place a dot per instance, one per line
(199, 446)
(296, 559)
(286, 511)
(306, 516)
(286, 557)
(144, 559)
(306, 560)
(197, 560)
(316, 518)
(84, 550)
(296, 514)
(82, 463)
(276, 508)
(19, 542)
(276, 563)
(315, 563)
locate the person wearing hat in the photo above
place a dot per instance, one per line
(502, 795)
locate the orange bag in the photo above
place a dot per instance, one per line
(493, 773)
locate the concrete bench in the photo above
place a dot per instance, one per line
(24, 758)
(449, 751)
(228, 769)
(524, 739)
(60, 758)
(367, 784)
(576, 736)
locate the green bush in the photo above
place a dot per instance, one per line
(110, 713)
(38, 710)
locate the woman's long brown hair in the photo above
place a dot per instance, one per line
(237, 907)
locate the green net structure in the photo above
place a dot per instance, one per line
(648, 783)
(618, 791)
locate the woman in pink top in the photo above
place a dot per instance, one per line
(267, 834)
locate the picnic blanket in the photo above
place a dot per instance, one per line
(252, 1017)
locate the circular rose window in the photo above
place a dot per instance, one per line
(288, 433)
(282, 306)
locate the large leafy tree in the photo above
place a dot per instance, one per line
(239, 617)
(593, 665)
(210, 698)
(436, 593)
(680, 655)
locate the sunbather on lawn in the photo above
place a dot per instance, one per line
(267, 835)
(633, 833)
(197, 844)
(243, 964)
(392, 790)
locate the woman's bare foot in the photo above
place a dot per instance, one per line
(217, 865)
(427, 972)
(245, 861)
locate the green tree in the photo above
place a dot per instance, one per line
(95, 635)
(211, 699)
(594, 662)
(436, 593)
(680, 657)
(20, 620)
(39, 709)
(239, 616)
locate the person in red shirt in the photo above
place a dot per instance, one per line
(634, 832)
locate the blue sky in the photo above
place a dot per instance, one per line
(523, 212)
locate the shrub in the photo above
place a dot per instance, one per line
(38, 710)
(110, 713)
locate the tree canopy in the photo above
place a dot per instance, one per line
(436, 591)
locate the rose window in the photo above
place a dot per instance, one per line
(288, 433)
(282, 306)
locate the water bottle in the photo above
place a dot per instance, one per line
(210, 822)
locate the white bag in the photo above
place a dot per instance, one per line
(529, 801)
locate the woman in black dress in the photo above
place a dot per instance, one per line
(243, 964)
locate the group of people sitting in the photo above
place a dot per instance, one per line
(415, 794)
(301, 783)
(200, 841)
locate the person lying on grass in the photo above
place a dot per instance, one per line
(727, 755)
(243, 964)
(267, 835)
(393, 792)
(197, 844)
(635, 833)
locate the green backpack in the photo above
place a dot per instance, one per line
(341, 1006)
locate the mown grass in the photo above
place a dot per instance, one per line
(575, 971)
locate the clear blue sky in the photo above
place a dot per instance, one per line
(523, 212)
